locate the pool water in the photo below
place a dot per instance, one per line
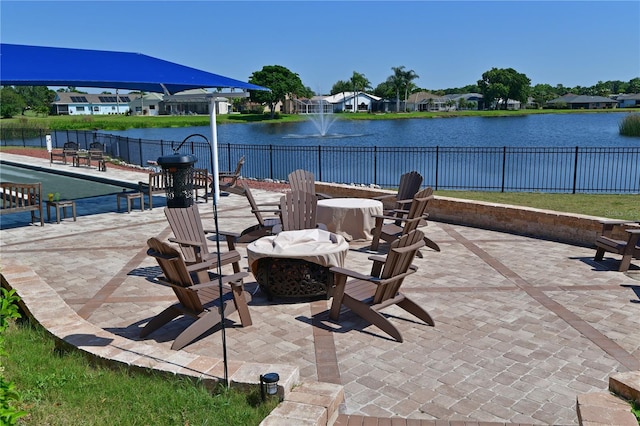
(69, 188)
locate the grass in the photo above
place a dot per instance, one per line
(122, 122)
(612, 206)
(630, 125)
(63, 388)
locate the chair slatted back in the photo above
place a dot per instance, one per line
(186, 225)
(252, 202)
(417, 209)
(302, 180)
(239, 166)
(298, 211)
(175, 273)
(409, 185)
(399, 260)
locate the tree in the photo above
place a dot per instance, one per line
(359, 83)
(282, 82)
(502, 84)
(401, 81)
(634, 85)
(11, 103)
(36, 98)
(543, 93)
(340, 86)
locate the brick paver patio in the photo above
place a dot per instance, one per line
(522, 325)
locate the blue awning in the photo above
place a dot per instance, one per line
(22, 65)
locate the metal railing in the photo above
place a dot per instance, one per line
(505, 169)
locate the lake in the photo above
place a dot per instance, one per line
(536, 130)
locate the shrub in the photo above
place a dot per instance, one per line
(8, 311)
(630, 125)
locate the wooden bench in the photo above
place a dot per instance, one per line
(629, 248)
(69, 150)
(155, 185)
(22, 197)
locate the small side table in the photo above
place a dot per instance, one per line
(130, 197)
(59, 207)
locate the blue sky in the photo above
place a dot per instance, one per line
(448, 44)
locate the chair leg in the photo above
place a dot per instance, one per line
(599, 254)
(625, 263)
(241, 306)
(416, 310)
(431, 244)
(372, 316)
(197, 329)
(159, 320)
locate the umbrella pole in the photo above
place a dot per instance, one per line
(216, 189)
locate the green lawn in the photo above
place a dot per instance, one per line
(613, 206)
(62, 388)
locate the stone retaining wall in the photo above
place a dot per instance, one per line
(569, 228)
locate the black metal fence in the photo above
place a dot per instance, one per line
(506, 169)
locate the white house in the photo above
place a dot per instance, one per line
(72, 103)
(148, 104)
(351, 101)
(195, 101)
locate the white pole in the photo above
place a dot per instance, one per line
(214, 148)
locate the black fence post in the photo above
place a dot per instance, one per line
(320, 163)
(437, 164)
(140, 150)
(375, 165)
(271, 161)
(504, 166)
(575, 171)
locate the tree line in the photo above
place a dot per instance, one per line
(496, 85)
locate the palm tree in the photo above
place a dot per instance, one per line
(401, 80)
(359, 83)
(408, 77)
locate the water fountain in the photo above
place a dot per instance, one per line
(321, 119)
(322, 116)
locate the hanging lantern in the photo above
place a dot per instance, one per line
(178, 174)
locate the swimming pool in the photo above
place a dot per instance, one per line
(69, 188)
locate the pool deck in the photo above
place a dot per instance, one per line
(522, 325)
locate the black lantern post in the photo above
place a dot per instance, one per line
(178, 172)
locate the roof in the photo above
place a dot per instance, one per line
(22, 65)
(570, 98)
(342, 96)
(65, 98)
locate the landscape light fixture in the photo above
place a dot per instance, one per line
(268, 384)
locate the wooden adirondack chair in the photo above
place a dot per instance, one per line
(201, 301)
(366, 295)
(265, 225)
(404, 221)
(409, 185)
(190, 235)
(303, 180)
(298, 210)
(629, 248)
(227, 179)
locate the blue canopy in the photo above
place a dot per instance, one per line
(22, 65)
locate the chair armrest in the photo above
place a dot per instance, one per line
(352, 274)
(385, 197)
(227, 279)
(229, 236)
(186, 242)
